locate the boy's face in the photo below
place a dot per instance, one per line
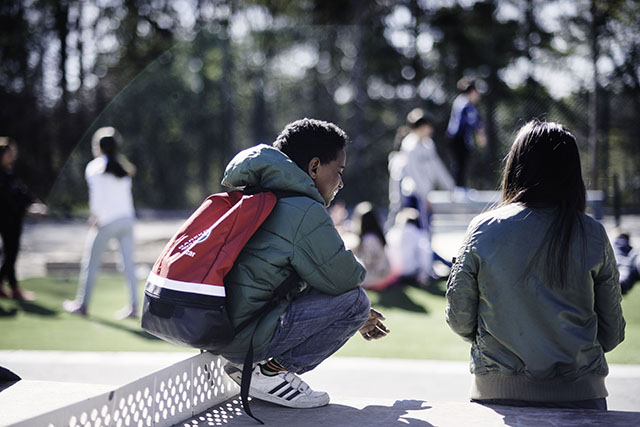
(328, 177)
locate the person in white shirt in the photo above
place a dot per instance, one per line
(371, 248)
(424, 171)
(415, 170)
(108, 177)
(409, 250)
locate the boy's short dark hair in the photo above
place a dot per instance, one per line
(305, 139)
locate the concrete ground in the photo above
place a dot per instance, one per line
(413, 412)
(372, 392)
(341, 377)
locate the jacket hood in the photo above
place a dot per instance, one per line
(267, 167)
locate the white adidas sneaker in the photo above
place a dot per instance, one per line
(284, 388)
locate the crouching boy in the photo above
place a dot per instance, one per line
(328, 306)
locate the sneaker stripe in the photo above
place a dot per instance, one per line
(287, 391)
(278, 387)
(293, 395)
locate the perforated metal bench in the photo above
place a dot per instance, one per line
(163, 398)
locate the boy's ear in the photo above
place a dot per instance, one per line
(312, 168)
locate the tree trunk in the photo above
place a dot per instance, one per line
(227, 148)
(593, 103)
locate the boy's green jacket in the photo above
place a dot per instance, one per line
(298, 234)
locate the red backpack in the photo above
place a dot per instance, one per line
(184, 299)
(185, 295)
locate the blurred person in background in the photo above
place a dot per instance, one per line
(628, 260)
(424, 171)
(371, 248)
(415, 168)
(464, 130)
(409, 250)
(109, 177)
(15, 201)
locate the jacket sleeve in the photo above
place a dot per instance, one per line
(608, 299)
(461, 312)
(320, 257)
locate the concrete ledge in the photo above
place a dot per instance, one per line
(364, 391)
(388, 412)
(25, 399)
(28, 399)
(161, 399)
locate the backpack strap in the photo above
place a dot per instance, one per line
(278, 295)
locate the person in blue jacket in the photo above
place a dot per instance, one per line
(464, 129)
(329, 305)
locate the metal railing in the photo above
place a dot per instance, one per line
(163, 398)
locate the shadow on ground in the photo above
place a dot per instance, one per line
(35, 308)
(334, 415)
(123, 326)
(514, 416)
(397, 297)
(12, 307)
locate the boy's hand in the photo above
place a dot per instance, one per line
(373, 328)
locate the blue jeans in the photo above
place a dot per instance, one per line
(315, 326)
(95, 245)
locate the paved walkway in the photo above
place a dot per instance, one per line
(412, 412)
(372, 392)
(340, 376)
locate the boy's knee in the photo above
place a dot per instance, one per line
(361, 304)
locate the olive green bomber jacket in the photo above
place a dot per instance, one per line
(298, 234)
(531, 341)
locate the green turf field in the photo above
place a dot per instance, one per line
(415, 317)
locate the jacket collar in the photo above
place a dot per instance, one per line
(267, 167)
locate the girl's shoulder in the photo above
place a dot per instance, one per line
(499, 214)
(592, 227)
(96, 166)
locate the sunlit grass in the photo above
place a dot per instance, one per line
(415, 317)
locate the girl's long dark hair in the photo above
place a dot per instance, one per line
(367, 217)
(109, 140)
(109, 147)
(543, 168)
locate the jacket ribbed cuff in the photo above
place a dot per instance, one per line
(500, 386)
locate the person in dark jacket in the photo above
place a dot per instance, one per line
(628, 260)
(329, 305)
(15, 201)
(535, 285)
(464, 130)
